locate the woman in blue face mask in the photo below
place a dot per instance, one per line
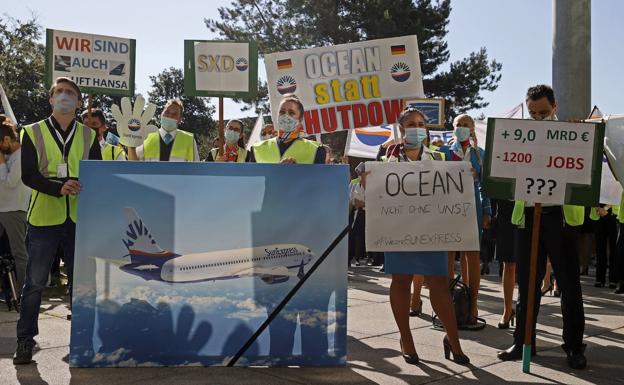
(416, 267)
(232, 150)
(465, 149)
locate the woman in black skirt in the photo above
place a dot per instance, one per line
(505, 253)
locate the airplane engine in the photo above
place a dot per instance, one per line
(272, 279)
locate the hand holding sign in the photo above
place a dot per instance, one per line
(132, 123)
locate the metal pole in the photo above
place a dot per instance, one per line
(571, 58)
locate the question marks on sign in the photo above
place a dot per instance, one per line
(531, 183)
(553, 184)
(541, 183)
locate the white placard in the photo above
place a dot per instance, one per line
(221, 66)
(543, 157)
(349, 85)
(97, 63)
(420, 206)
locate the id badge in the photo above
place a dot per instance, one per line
(61, 170)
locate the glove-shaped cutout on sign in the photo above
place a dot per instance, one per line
(132, 123)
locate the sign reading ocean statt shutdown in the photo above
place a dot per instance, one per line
(544, 161)
(347, 86)
(98, 64)
(420, 206)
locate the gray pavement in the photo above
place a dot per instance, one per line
(373, 347)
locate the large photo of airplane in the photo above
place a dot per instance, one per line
(273, 264)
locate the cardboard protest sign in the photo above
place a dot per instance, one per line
(349, 85)
(544, 161)
(420, 206)
(98, 64)
(221, 68)
(433, 110)
(133, 122)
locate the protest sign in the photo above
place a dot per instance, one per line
(614, 145)
(420, 206)
(98, 64)
(349, 85)
(221, 68)
(433, 110)
(162, 286)
(133, 122)
(544, 161)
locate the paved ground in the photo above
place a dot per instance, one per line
(373, 350)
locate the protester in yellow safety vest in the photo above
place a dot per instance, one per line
(168, 144)
(51, 152)
(97, 122)
(408, 267)
(553, 238)
(606, 233)
(231, 150)
(288, 147)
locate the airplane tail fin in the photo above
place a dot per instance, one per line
(137, 236)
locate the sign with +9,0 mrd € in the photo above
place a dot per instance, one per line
(547, 162)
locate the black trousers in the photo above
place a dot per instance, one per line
(619, 255)
(606, 230)
(559, 243)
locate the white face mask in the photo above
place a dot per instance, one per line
(64, 103)
(287, 123)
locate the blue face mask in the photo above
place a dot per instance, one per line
(231, 136)
(64, 103)
(414, 137)
(462, 133)
(168, 124)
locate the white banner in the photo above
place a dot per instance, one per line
(543, 157)
(614, 144)
(254, 136)
(420, 206)
(349, 85)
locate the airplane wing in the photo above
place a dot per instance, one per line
(277, 271)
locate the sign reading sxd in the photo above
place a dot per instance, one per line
(215, 63)
(220, 68)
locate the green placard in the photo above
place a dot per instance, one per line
(221, 68)
(554, 162)
(98, 64)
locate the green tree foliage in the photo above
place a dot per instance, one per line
(198, 112)
(281, 25)
(22, 60)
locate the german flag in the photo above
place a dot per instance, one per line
(284, 64)
(397, 49)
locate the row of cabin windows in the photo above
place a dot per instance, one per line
(231, 262)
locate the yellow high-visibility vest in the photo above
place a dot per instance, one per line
(303, 151)
(182, 150)
(240, 158)
(48, 210)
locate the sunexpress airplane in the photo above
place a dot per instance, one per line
(272, 264)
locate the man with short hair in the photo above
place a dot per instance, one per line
(15, 196)
(97, 121)
(168, 144)
(51, 153)
(557, 241)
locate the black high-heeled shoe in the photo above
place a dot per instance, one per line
(461, 359)
(549, 289)
(411, 359)
(416, 312)
(512, 320)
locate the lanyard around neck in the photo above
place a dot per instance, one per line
(60, 137)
